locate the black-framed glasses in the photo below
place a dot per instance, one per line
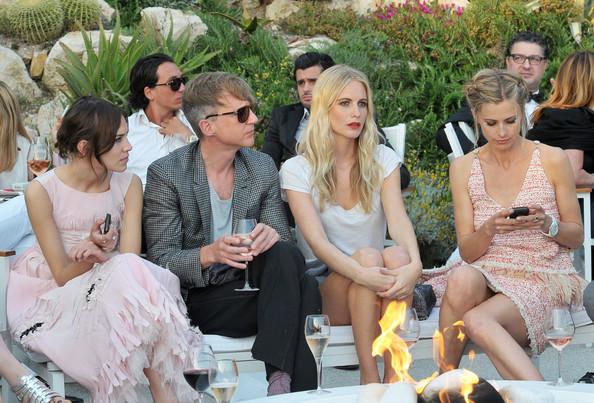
(242, 113)
(533, 60)
(175, 83)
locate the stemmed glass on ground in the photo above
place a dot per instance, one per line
(559, 331)
(317, 335)
(409, 329)
(224, 380)
(242, 229)
(199, 371)
(38, 158)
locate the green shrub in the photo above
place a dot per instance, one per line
(106, 71)
(35, 21)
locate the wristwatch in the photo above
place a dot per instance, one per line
(553, 228)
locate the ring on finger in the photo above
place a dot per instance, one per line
(536, 219)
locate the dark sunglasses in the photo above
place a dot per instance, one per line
(242, 113)
(175, 84)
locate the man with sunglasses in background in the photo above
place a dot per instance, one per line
(192, 201)
(159, 126)
(526, 55)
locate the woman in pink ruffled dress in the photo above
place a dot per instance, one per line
(517, 268)
(111, 320)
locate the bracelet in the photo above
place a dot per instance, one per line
(33, 388)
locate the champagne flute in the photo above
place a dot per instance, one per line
(224, 380)
(559, 330)
(199, 369)
(38, 158)
(409, 329)
(242, 229)
(317, 335)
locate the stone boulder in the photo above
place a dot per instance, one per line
(280, 9)
(161, 20)
(107, 12)
(315, 43)
(73, 40)
(49, 113)
(14, 73)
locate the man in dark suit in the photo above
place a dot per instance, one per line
(193, 198)
(526, 55)
(288, 122)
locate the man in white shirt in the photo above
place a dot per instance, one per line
(159, 126)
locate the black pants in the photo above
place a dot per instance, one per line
(276, 313)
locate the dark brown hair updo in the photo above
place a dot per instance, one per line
(92, 119)
(493, 86)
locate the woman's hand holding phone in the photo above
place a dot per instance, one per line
(107, 241)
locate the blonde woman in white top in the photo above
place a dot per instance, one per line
(14, 140)
(344, 189)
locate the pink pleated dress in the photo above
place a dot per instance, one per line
(532, 270)
(105, 326)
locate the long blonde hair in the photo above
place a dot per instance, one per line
(317, 144)
(11, 125)
(574, 84)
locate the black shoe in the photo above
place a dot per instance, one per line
(587, 378)
(348, 367)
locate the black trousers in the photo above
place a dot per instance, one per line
(275, 314)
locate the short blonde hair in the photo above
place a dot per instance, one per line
(317, 144)
(493, 86)
(203, 94)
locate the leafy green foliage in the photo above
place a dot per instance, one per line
(106, 71)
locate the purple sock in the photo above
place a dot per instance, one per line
(279, 383)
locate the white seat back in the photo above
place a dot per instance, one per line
(396, 135)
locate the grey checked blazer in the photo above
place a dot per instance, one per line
(177, 214)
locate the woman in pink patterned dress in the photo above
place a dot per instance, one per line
(517, 268)
(112, 321)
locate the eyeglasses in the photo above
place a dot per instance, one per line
(175, 83)
(242, 113)
(533, 60)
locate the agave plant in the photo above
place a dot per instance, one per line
(106, 72)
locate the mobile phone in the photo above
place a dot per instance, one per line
(519, 211)
(106, 223)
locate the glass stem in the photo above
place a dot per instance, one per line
(559, 379)
(247, 282)
(319, 368)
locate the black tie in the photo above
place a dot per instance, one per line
(537, 97)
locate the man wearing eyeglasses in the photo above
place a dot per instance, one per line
(527, 55)
(192, 201)
(159, 126)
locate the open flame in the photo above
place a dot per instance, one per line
(401, 359)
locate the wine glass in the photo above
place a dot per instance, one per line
(242, 230)
(199, 369)
(317, 335)
(409, 329)
(38, 158)
(224, 380)
(559, 330)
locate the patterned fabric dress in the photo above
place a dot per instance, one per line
(533, 270)
(108, 324)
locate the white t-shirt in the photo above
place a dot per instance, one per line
(148, 144)
(18, 173)
(348, 230)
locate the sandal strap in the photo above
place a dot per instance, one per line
(33, 389)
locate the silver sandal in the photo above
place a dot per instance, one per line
(34, 390)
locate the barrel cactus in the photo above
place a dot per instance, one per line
(36, 20)
(84, 12)
(4, 25)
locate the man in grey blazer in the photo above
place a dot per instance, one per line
(194, 196)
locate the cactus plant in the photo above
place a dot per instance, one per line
(85, 12)
(4, 25)
(36, 20)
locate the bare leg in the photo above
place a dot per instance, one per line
(160, 392)
(467, 288)
(393, 257)
(497, 327)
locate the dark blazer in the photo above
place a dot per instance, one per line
(280, 141)
(462, 115)
(177, 214)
